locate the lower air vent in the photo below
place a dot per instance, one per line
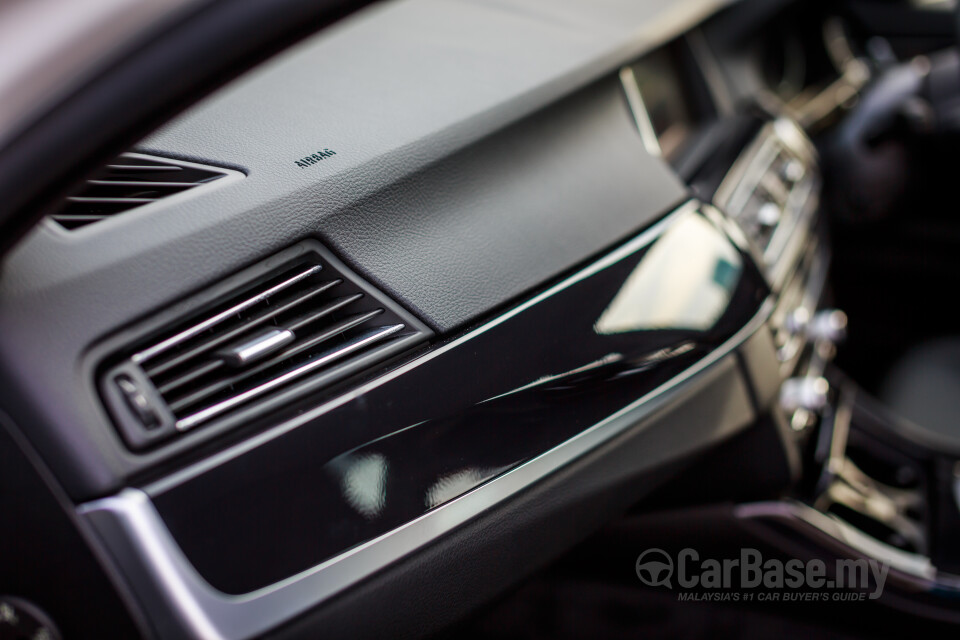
(134, 180)
(295, 329)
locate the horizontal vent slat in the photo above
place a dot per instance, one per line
(332, 332)
(130, 181)
(210, 323)
(139, 183)
(296, 349)
(82, 210)
(363, 341)
(189, 376)
(144, 167)
(127, 192)
(322, 312)
(110, 200)
(79, 220)
(255, 321)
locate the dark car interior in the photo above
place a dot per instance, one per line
(428, 319)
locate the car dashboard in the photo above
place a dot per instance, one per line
(418, 304)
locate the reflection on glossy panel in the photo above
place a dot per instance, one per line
(685, 281)
(451, 485)
(559, 364)
(363, 481)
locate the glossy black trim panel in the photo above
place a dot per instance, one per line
(525, 512)
(568, 360)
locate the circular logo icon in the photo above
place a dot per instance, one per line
(655, 568)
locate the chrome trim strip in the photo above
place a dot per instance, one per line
(641, 116)
(183, 604)
(364, 340)
(197, 329)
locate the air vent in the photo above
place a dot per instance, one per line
(770, 188)
(299, 328)
(134, 180)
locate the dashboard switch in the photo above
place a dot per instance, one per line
(808, 393)
(769, 214)
(792, 171)
(137, 401)
(797, 321)
(829, 325)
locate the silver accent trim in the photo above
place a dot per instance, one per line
(364, 340)
(256, 346)
(182, 604)
(648, 135)
(197, 329)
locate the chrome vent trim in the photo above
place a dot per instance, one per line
(369, 338)
(134, 180)
(309, 321)
(263, 296)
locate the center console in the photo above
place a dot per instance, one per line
(871, 486)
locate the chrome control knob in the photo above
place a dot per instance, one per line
(829, 325)
(808, 393)
(797, 321)
(769, 214)
(792, 171)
